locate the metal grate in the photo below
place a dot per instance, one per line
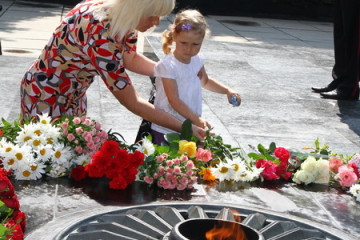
(156, 222)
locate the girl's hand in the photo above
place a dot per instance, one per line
(200, 122)
(231, 93)
(198, 132)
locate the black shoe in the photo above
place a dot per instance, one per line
(332, 86)
(341, 96)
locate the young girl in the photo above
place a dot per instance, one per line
(181, 74)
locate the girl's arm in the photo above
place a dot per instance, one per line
(138, 63)
(215, 86)
(131, 100)
(179, 106)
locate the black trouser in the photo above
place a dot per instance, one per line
(346, 45)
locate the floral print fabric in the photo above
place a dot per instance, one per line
(79, 49)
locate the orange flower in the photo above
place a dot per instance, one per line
(208, 176)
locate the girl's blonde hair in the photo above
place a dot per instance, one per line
(125, 15)
(185, 20)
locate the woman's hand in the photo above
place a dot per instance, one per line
(198, 132)
(202, 123)
(231, 93)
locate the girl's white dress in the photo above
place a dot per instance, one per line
(188, 84)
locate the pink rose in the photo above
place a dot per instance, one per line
(159, 159)
(79, 130)
(70, 137)
(177, 170)
(98, 126)
(204, 155)
(189, 173)
(346, 178)
(88, 138)
(148, 179)
(87, 122)
(334, 164)
(177, 161)
(184, 181)
(184, 158)
(169, 163)
(76, 120)
(65, 132)
(155, 176)
(83, 118)
(64, 125)
(190, 165)
(78, 149)
(181, 187)
(169, 170)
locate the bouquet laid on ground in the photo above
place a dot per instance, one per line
(181, 163)
(45, 147)
(320, 166)
(13, 221)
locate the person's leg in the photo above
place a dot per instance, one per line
(346, 39)
(338, 49)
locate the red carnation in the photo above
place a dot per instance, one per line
(118, 183)
(11, 202)
(17, 233)
(6, 187)
(282, 153)
(138, 158)
(355, 168)
(20, 218)
(78, 173)
(1, 133)
(269, 172)
(281, 171)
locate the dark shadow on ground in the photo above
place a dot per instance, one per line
(350, 114)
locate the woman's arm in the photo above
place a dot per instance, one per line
(179, 106)
(138, 63)
(215, 86)
(131, 100)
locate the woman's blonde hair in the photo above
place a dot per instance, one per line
(185, 20)
(125, 15)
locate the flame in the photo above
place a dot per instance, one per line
(227, 230)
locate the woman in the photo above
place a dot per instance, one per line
(97, 37)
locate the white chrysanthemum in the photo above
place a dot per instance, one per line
(309, 165)
(36, 142)
(147, 147)
(44, 119)
(44, 152)
(37, 169)
(17, 157)
(6, 149)
(82, 160)
(303, 176)
(61, 154)
(222, 172)
(323, 171)
(355, 191)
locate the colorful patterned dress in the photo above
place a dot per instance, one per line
(80, 48)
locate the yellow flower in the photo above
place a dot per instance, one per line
(187, 147)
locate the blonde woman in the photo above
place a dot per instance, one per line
(97, 37)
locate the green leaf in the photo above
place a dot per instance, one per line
(172, 137)
(163, 149)
(324, 152)
(272, 147)
(254, 156)
(262, 149)
(174, 147)
(317, 144)
(186, 130)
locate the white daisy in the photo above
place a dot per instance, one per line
(52, 134)
(355, 191)
(44, 152)
(237, 167)
(37, 142)
(82, 160)
(58, 170)
(25, 134)
(16, 157)
(222, 172)
(147, 147)
(25, 173)
(62, 154)
(44, 119)
(37, 169)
